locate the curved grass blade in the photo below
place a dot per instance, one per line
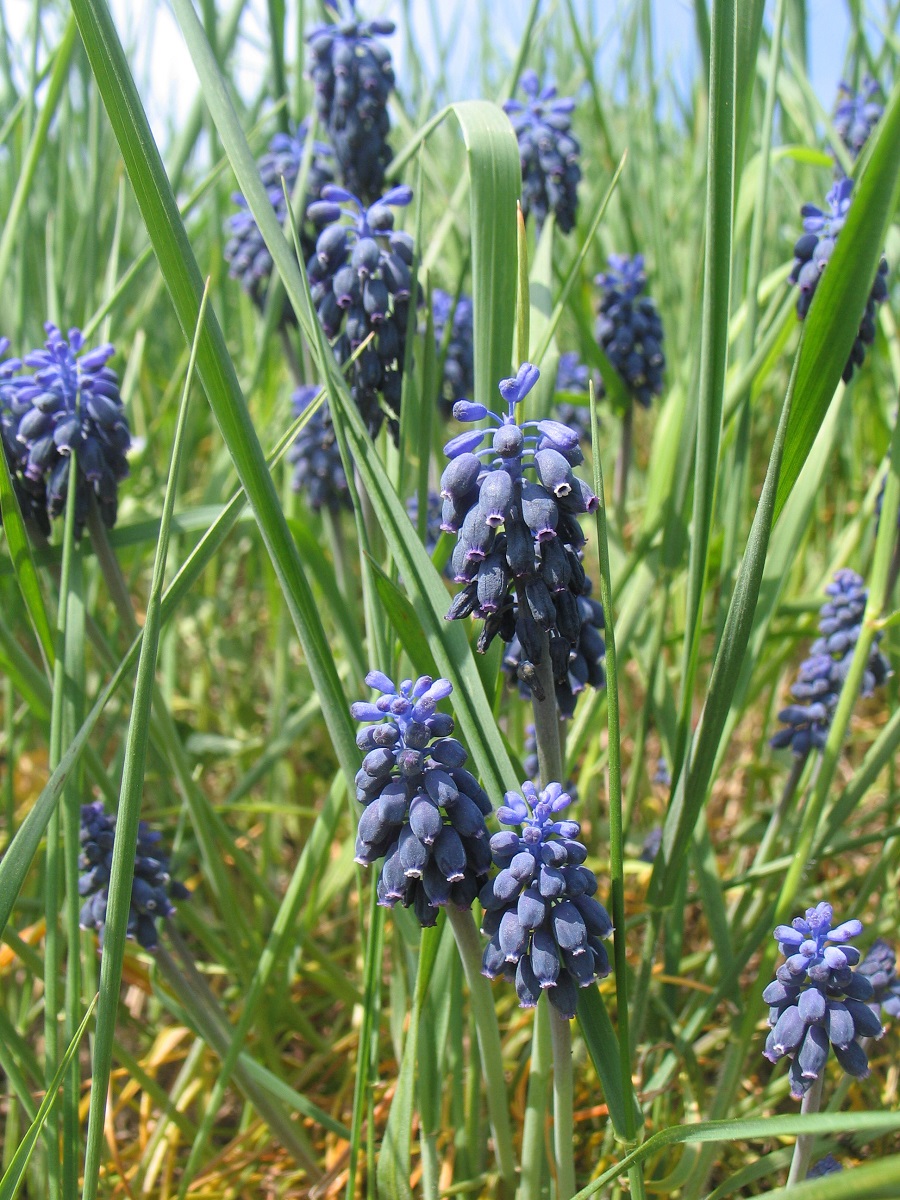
(15, 1172)
(841, 294)
(214, 366)
(129, 810)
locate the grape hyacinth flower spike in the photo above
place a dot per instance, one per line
(353, 77)
(248, 258)
(361, 282)
(72, 402)
(629, 327)
(821, 676)
(880, 967)
(811, 256)
(30, 493)
(573, 377)
(544, 925)
(513, 505)
(316, 459)
(548, 151)
(818, 1001)
(424, 812)
(458, 380)
(857, 113)
(152, 889)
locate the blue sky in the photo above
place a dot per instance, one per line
(166, 75)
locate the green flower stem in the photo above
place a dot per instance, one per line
(546, 718)
(54, 863)
(616, 832)
(811, 1103)
(482, 1003)
(536, 1105)
(563, 1097)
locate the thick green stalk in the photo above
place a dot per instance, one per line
(482, 1004)
(803, 1147)
(563, 1100)
(536, 1104)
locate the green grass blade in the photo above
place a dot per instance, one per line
(394, 1159)
(215, 368)
(841, 294)
(129, 810)
(15, 1172)
(714, 336)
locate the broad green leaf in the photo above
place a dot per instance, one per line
(841, 294)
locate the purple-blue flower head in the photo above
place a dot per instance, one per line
(512, 499)
(424, 812)
(353, 77)
(152, 889)
(245, 251)
(361, 284)
(812, 253)
(71, 403)
(629, 327)
(454, 339)
(857, 113)
(546, 929)
(315, 456)
(818, 1000)
(821, 676)
(548, 152)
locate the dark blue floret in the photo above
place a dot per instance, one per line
(70, 402)
(828, 1165)
(583, 665)
(811, 255)
(629, 328)
(353, 77)
(458, 378)
(152, 889)
(818, 1001)
(880, 968)
(821, 676)
(548, 151)
(245, 252)
(573, 376)
(432, 518)
(30, 493)
(424, 812)
(857, 113)
(512, 500)
(544, 925)
(361, 281)
(318, 470)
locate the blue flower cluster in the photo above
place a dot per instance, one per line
(518, 538)
(458, 376)
(828, 1165)
(30, 493)
(352, 74)
(152, 888)
(880, 968)
(857, 113)
(245, 252)
(629, 327)
(69, 403)
(544, 925)
(811, 254)
(360, 282)
(548, 151)
(424, 812)
(585, 665)
(318, 470)
(574, 376)
(821, 676)
(817, 1000)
